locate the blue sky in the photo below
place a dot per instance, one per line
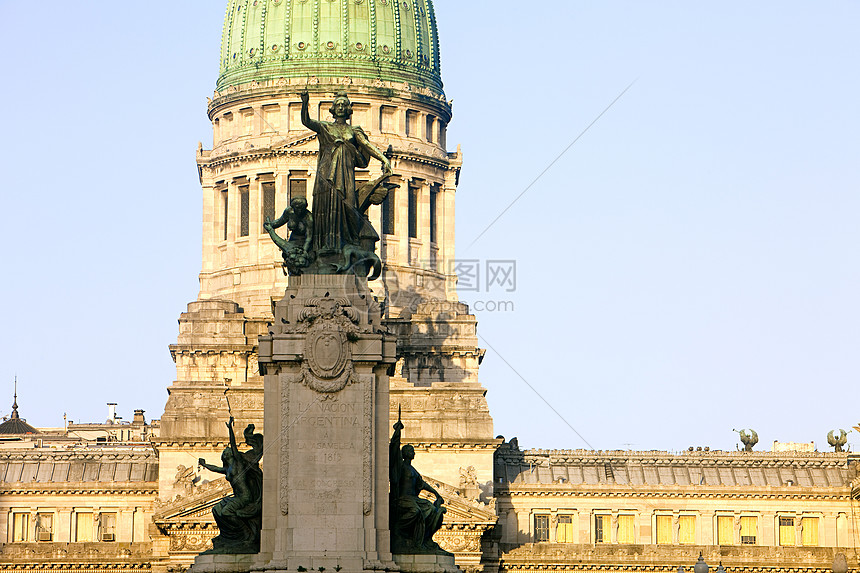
(687, 267)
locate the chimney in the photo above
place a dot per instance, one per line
(138, 417)
(111, 412)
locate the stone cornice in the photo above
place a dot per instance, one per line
(145, 454)
(668, 492)
(210, 349)
(258, 153)
(145, 489)
(454, 444)
(265, 91)
(698, 459)
(190, 443)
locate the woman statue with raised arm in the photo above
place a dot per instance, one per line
(239, 516)
(342, 234)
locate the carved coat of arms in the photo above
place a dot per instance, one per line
(330, 325)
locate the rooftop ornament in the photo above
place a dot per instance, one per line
(749, 438)
(838, 443)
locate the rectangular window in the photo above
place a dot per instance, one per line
(428, 128)
(434, 198)
(387, 119)
(83, 527)
(786, 531)
(294, 117)
(413, 212)
(268, 211)
(248, 122)
(664, 529)
(749, 530)
(602, 524)
(224, 205)
(687, 530)
(725, 530)
(809, 531)
(388, 211)
(272, 115)
(626, 524)
(20, 527)
(244, 211)
(228, 125)
(45, 527)
(298, 188)
(564, 531)
(541, 528)
(411, 123)
(107, 527)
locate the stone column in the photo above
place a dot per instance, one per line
(325, 482)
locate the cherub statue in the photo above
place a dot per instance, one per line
(297, 250)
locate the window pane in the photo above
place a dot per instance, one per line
(749, 529)
(44, 527)
(388, 214)
(224, 205)
(687, 532)
(83, 527)
(664, 529)
(564, 532)
(809, 532)
(601, 529)
(20, 526)
(107, 523)
(725, 530)
(298, 188)
(625, 528)
(244, 211)
(268, 203)
(786, 531)
(413, 213)
(541, 528)
(434, 197)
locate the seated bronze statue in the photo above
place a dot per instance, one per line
(413, 519)
(239, 516)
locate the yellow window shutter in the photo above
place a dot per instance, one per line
(687, 533)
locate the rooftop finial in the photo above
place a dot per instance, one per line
(15, 415)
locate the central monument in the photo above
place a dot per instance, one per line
(326, 362)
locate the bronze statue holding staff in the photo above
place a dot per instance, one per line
(239, 516)
(413, 519)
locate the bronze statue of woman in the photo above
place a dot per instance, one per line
(239, 516)
(413, 520)
(340, 228)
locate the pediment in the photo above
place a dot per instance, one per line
(193, 506)
(297, 141)
(463, 510)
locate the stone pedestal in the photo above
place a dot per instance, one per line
(325, 485)
(426, 564)
(223, 563)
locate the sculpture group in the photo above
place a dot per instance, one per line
(336, 237)
(333, 238)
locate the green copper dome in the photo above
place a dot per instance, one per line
(390, 40)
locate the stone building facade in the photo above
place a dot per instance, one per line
(135, 500)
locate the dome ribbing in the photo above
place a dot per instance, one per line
(385, 39)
